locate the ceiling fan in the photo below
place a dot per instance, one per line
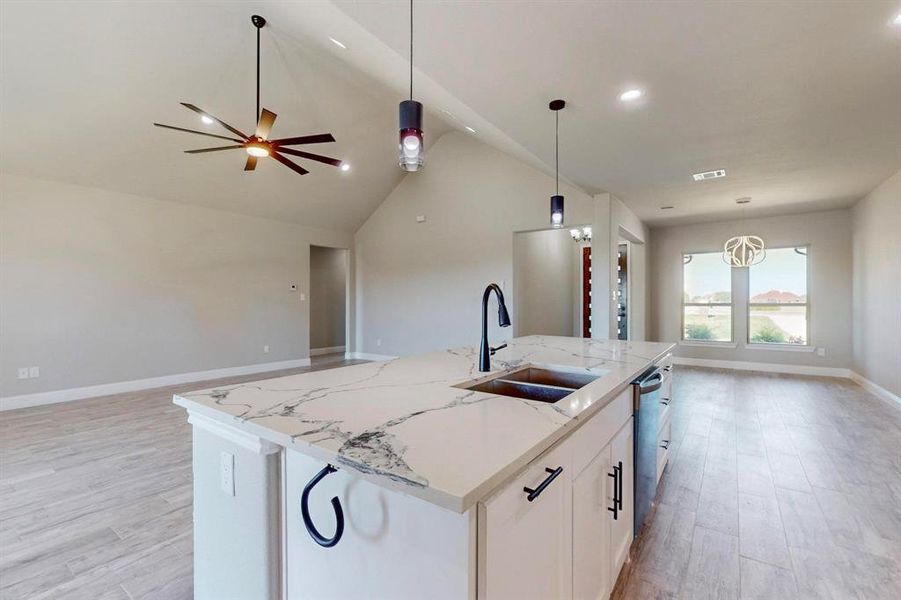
(259, 145)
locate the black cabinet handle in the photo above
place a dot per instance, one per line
(532, 494)
(617, 502)
(668, 368)
(620, 483)
(664, 444)
(336, 505)
(665, 401)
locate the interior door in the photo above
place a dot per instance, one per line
(592, 499)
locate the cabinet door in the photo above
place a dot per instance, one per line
(592, 496)
(621, 529)
(526, 547)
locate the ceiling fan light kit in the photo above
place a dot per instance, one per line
(259, 145)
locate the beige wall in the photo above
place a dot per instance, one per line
(101, 287)
(877, 285)
(543, 282)
(829, 235)
(328, 297)
(420, 284)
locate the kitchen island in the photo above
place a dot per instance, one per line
(429, 470)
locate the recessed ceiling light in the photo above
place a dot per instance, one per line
(470, 129)
(631, 95)
(345, 166)
(337, 43)
(897, 20)
(709, 175)
(206, 119)
(666, 207)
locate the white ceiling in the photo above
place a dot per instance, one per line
(82, 83)
(799, 101)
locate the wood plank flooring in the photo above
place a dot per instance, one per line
(779, 487)
(95, 496)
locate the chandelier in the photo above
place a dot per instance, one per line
(581, 235)
(744, 250)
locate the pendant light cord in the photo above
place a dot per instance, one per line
(557, 150)
(411, 49)
(257, 116)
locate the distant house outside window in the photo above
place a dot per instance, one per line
(778, 304)
(706, 298)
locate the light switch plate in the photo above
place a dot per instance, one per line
(34, 372)
(227, 473)
(303, 296)
(821, 351)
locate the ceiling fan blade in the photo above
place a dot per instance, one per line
(319, 138)
(323, 159)
(267, 118)
(213, 149)
(221, 137)
(200, 111)
(251, 163)
(291, 165)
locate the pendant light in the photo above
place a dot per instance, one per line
(744, 250)
(410, 151)
(557, 199)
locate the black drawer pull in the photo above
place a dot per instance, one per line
(620, 497)
(532, 494)
(665, 401)
(336, 506)
(664, 444)
(617, 490)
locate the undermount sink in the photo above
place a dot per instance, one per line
(534, 383)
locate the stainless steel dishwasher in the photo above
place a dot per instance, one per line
(646, 408)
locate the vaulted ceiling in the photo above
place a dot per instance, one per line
(799, 102)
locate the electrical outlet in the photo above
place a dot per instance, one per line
(378, 342)
(420, 218)
(303, 296)
(266, 349)
(821, 351)
(34, 372)
(227, 473)
(22, 373)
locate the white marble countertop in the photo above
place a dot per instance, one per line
(402, 424)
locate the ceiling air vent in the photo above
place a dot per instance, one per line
(709, 175)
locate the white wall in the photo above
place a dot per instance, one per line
(543, 282)
(877, 285)
(328, 297)
(101, 287)
(420, 284)
(829, 235)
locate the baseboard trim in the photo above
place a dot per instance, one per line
(739, 365)
(328, 350)
(106, 389)
(874, 388)
(368, 356)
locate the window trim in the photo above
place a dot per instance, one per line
(806, 304)
(731, 342)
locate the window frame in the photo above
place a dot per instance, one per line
(731, 304)
(806, 305)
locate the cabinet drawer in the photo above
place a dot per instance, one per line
(664, 440)
(590, 438)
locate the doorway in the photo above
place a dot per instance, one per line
(328, 300)
(547, 283)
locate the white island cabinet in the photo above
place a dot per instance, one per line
(442, 491)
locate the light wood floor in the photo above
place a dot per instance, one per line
(779, 487)
(95, 496)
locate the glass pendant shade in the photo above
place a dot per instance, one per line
(410, 148)
(744, 251)
(557, 211)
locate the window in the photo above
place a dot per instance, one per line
(777, 298)
(706, 298)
